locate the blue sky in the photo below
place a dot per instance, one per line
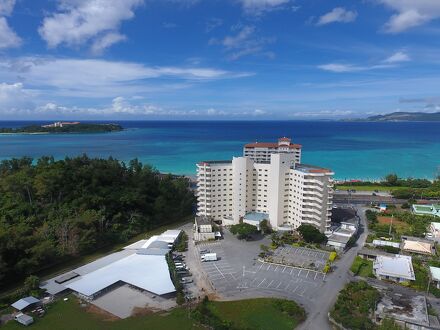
(217, 59)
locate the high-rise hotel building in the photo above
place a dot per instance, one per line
(268, 182)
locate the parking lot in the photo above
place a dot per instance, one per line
(238, 273)
(301, 257)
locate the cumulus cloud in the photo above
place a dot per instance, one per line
(14, 96)
(78, 22)
(8, 37)
(244, 42)
(410, 13)
(257, 7)
(323, 114)
(338, 14)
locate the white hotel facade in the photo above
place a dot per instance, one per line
(268, 182)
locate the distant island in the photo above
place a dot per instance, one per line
(63, 127)
(403, 116)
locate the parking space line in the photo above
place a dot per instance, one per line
(279, 284)
(291, 270)
(293, 291)
(270, 283)
(261, 282)
(260, 266)
(250, 284)
(299, 273)
(316, 274)
(276, 268)
(284, 269)
(219, 271)
(268, 267)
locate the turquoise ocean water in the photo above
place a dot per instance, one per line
(351, 149)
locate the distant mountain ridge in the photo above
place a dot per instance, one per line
(405, 116)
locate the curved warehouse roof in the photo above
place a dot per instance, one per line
(148, 272)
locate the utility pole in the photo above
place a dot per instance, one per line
(391, 224)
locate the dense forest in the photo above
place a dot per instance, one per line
(51, 210)
(78, 128)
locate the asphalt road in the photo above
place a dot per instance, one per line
(318, 309)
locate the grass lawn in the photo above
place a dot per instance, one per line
(69, 314)
(366, 188)
(362, 267)
(258, 314)
(249, 314)
(398, 225)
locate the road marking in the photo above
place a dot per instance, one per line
(261, 283)
(219, 271)
(250, 284)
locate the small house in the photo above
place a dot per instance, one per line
(203, 230)
(24, 319)
(417, 245)
(25, 303)
(397, 268)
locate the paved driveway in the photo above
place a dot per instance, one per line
(238, 273)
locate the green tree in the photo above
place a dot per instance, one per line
(243, 230)
(311, 234)
(391, 179)
(265, 227)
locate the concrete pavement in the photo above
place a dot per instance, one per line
(318, 309)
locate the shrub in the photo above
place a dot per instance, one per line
(354, 304)
(243, 230)
(333, 255)
(311, 234)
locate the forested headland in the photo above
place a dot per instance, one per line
(77, 128)
(52, 210)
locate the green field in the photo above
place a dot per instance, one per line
(249, 314)
(362, 267)
(365, 188)
(259, 314)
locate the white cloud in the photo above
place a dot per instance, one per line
(410, 13)
(257, 7)
(78, 22)
(339, 68)
(6, 7)
(95, 78)
(398, 57)
(106, 41)
(390, 62)
(338, 14)
(244, 43)
(323, 114)
(213, 23)
(13, 96)
(8, 37)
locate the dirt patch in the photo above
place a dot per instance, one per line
(387, 220)
(137, 311)
(106, 316)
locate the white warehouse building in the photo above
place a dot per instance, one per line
(267, 183)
